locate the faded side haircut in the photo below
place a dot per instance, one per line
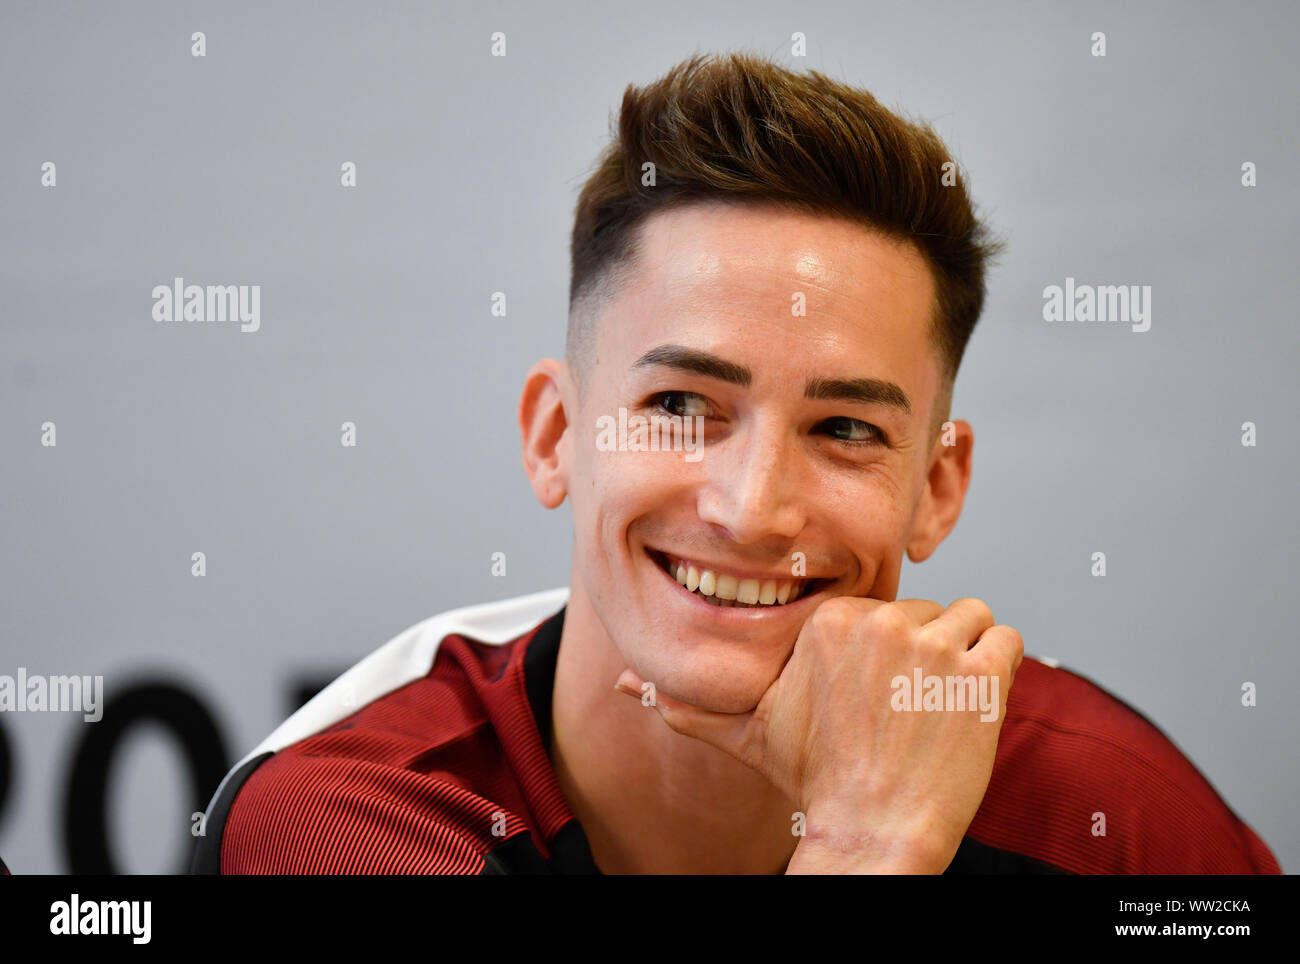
(740, 128)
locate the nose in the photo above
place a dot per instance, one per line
(753, 488)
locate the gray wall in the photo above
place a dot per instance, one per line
(177, 438)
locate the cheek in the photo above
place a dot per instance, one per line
(872, 508)
(617, 489)
(870, 516)
(635, 481)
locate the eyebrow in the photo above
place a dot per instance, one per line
(863, 391)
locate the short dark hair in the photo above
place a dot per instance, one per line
(740, 128)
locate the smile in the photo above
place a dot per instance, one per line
(718, 587)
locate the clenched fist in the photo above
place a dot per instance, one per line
(888, 778)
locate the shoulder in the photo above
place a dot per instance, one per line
(318, 808)
(1086, 783)
(395, 767)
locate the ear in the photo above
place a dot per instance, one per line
(945, 489)
(544, 423)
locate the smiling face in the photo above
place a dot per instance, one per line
(818, 467)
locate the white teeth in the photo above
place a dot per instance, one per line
(721, 589)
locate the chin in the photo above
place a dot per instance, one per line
(716, 679)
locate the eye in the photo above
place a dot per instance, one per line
(854, 431)
(685, 404)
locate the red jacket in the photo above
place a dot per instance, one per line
(428, 758)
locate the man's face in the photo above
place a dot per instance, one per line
(793, 305)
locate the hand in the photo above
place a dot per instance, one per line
(882, 788)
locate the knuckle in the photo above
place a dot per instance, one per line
(834, 615)
(937, 643)
(889, 620)
(978, 608)
(1007, 649)
(1010, 637)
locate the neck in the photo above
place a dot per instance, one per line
(650, 800)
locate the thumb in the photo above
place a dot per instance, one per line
(726, 731)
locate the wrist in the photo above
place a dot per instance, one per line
(833, 846)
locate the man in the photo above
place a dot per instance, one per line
(774, 280)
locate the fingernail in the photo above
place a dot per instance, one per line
(628, 682)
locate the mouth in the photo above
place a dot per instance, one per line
(725, 589)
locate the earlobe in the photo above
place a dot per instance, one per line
(543, 425)
(945, 490)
